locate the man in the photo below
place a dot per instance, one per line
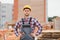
(34, 24)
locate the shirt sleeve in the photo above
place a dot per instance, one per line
(17, 25)
(37, 24)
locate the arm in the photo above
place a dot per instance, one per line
(38, 28)
(16, 28)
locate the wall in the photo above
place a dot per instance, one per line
(38, 9)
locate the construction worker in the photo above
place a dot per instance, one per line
(28, 26)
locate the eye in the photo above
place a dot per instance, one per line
(26, 11)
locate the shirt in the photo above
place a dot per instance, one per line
(34, 23)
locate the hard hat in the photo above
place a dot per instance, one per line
(27, 6)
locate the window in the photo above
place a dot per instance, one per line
(3, 11)
(3, 6)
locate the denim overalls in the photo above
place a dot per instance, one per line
(26, 28)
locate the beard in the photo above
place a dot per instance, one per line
(26, 14)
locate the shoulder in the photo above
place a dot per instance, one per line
(34, 19)
(19, 21)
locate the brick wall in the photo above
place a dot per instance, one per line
(38, 9)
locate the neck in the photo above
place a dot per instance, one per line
(26, 16)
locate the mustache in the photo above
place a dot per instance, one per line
(26, 15)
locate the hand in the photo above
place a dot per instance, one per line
(33, 34)
(21, 34)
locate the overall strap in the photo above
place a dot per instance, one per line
(30, 20)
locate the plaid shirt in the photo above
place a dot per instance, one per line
(33, 23)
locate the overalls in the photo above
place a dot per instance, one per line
(26, 28)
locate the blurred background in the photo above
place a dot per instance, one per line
(47, 12)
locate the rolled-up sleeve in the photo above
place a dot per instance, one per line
(37, 24)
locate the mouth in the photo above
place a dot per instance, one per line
(27, 14)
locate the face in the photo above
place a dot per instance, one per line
(26, 12)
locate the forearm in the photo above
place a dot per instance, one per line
(16, 32)
(35, 30)
(39, 30)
